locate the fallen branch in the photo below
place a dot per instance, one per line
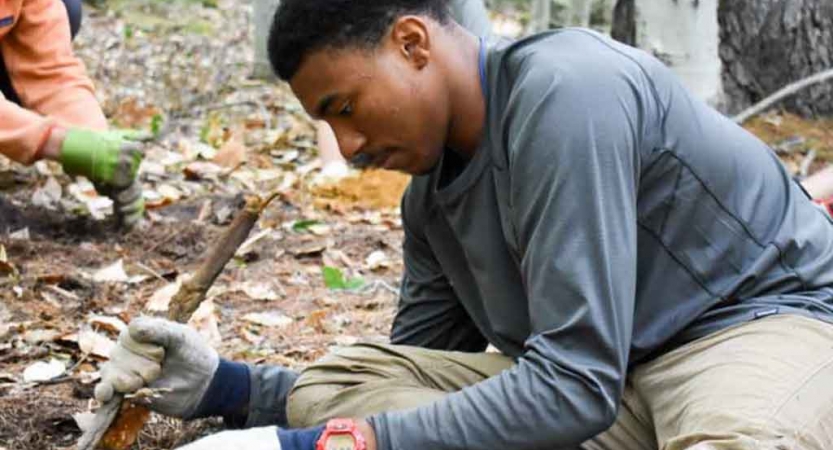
(785, 92)
(117, 423)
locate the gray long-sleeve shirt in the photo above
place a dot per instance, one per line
(607, 216)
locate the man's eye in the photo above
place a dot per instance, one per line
(346, 110)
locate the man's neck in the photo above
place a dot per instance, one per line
(468, 107)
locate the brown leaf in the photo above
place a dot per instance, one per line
(233, 152)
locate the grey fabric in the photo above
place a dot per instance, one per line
(270, 386)
(607, 216)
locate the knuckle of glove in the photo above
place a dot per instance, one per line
(129, 347)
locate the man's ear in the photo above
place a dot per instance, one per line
(410, 35)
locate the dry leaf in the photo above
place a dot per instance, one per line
(271, 319)
(48, 195)
(199, 170)
(113, 273)
(39, 336)
(377, 260)
(95, 344)
(233, 152)
(42, 371)
(204, 320)
(308, 249)
(248, 246)
(110, 324)
(161, 299)
(259, 291)
(20, 235)
(6, 267)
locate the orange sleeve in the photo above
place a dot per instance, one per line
(48, 78)
(22, 132)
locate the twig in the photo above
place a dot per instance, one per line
(783, 93)
(150, 271)
(117, 423)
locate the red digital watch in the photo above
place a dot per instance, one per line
(341, 434)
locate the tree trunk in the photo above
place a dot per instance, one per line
(767, 44)
(540, 16)
(623, 27)
(262, 13)
(682, 33)
(581, 10)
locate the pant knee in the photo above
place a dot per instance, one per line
(302, 405)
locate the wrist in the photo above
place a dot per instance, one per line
(369, 434)
(51, 148)
(227, 395)
(346, 434)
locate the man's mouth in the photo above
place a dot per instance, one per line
(375, 159)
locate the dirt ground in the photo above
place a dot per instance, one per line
(65, 273)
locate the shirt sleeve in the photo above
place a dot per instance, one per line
(430, 314)
(573, 161)
(22, 132)
(49, 79)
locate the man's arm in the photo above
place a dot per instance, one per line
(430, 315)
(574, 166)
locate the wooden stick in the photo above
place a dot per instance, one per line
(118, 423)
(783, 93)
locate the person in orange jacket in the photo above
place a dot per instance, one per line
(48, 109)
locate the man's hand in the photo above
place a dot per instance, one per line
(110, 159)
(252, 439)
(168, 357)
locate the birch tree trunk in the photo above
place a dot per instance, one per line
(767, 44)
(580, 14)
(263, 12)
(682, 33)
(540, 16)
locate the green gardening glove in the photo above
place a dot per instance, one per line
(110, 159)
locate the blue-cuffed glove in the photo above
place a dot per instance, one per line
(191, 379)
(266, 438)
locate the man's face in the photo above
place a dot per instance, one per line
(386, 105)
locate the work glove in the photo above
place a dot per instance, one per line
(168, 357)
(265, 438)
(110, 160)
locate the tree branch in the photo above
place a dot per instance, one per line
(785, 92)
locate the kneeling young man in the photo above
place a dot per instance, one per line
(650, 273)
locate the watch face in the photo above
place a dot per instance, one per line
(340, 442)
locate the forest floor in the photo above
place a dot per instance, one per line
(321, 269)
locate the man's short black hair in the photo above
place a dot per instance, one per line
(303, 26)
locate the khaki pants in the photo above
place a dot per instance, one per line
(766, 384)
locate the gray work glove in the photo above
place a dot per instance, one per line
(166, 356)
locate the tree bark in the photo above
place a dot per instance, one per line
(263, 11)
(623, 28)
(681, 33)
(768, 44)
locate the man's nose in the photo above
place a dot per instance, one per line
(350, 141)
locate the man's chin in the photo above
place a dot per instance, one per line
(419, 171)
